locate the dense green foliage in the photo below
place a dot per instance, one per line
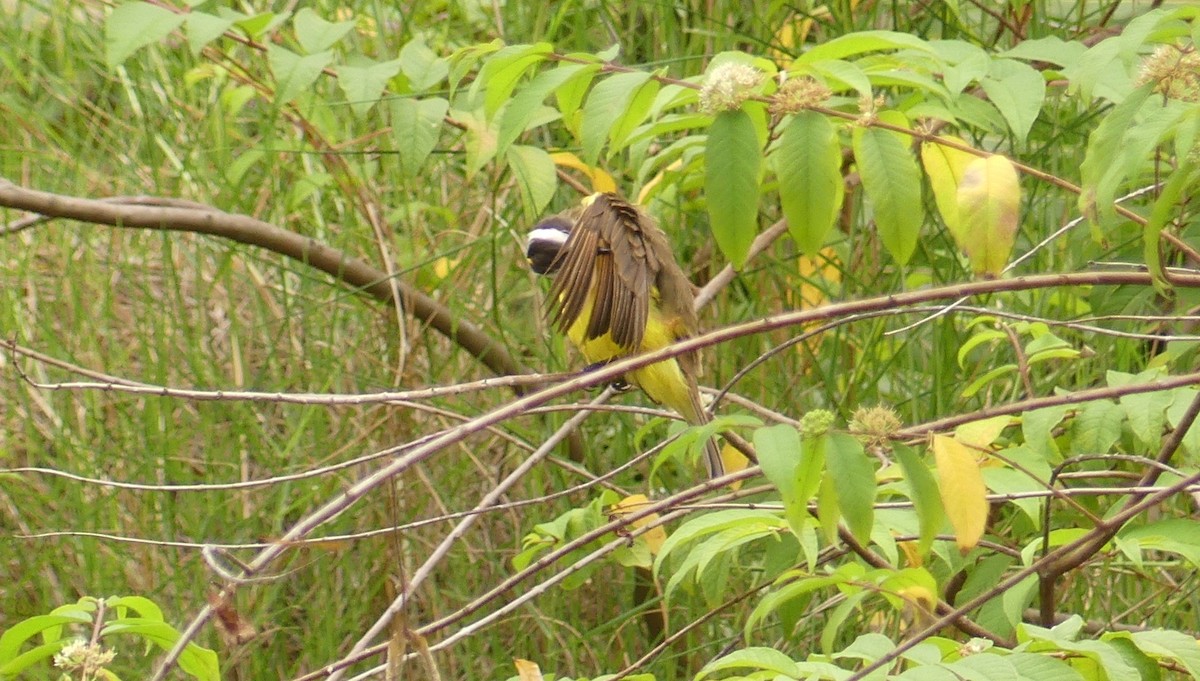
(1023, 455)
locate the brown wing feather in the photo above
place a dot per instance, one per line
(634, 265)
(602, 306)
(621, 252)
(571, 284)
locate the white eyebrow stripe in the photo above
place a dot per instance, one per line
(548, 234)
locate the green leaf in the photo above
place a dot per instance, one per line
(761, 658)
(778, 449)
(608, 100)
(1106, 656)
(1037, 427)
(712, 523)
(811, 469)
(1052, 49)
(635, 112)
(1016, 599)
(1096, 428)
(502, 71)
(985, 667)
(1175, 646)
(808, 162)
(1043, 667)
(733, 161)
(257, 26)
(294, 74)
(315, 34)
(796, 586)
(892, 183)
(465, 58)
(416, 126)
(1104, 159)
(828, 509)
(1176, 535)
(521, 108)
(480, 140)
(362, 85)
(202, 29)
(988, 376)
(235, 173)
(977, 339)
(867, 647)
(966, 63)
(923, 490)
(135, 25)
(1183, 400)
(16, 636)
(663, 127)
(1146, 414)
(144, 607)
(534, 171)
(853, 474)
(201, 663)
(11, 668)
(421, 65)
(1167, 204)
(709, 559)
(1147, 668)
(838, 617)
(861, 42)
(1017, 90)
(843, 74)
(779, 455)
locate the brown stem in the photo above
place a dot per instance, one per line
(247, 230)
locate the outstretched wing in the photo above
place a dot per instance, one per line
(610, 252)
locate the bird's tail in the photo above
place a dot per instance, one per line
(666, 383)
(696, 415)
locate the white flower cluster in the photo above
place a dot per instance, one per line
(86, 658)
(727, 86)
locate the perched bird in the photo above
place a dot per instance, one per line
(618, 291)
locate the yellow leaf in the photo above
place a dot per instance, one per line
(644, 194)
(601, 181)
(443, 266)
(793, 33)
(920, 597)
(655, 536)
(734, 461)
(912, 553)
(981, 434)
(989, 197)
(964, 495)
(790, 36)
(526, 670)
(920, 604)
(945, 167)
(818, 274)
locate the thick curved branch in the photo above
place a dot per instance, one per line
(247, 230)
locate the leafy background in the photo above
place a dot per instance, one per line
(425, 141)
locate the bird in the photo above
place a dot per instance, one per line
(617, 291)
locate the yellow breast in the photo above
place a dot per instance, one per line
(663, 381)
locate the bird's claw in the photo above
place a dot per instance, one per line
(620, 385)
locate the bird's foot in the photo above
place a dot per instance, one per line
(620, 385)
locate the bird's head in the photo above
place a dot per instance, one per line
(545, 241)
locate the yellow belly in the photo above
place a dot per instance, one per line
(663, 381)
